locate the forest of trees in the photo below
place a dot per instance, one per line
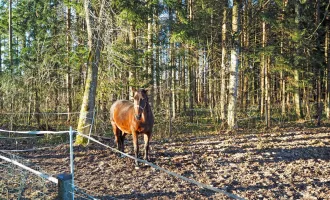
(226, 61)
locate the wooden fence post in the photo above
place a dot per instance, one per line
(65, 189)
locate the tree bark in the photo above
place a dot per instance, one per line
(150, 64)
(94, 46)
(233, 70)
(68, 75)
(297, 98)
(223, 71)
(10, 37)
(327, 59)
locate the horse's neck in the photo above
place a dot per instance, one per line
(147, 110)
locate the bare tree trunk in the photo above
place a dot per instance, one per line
(327, 59)
(157, 65)
(263, 70)
(223, 67)
(282, 73)
(320, 71)
(283, 94)
(297, 99)
(173, 84)
(10, 37)
(267, 92)
(150, 64)
(94, 46)
(233, 70)
(36, 103)
(191, 84)
(191, 88)
(172, 74)
(68, 75)
(183, 61)
(158, 99)
(1, 92)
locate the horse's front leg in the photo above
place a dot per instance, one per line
(146, 146)
(136, 148)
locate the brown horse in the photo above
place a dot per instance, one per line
(133, 118)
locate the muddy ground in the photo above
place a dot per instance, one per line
(276, 164)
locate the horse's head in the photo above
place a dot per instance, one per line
(140, 102)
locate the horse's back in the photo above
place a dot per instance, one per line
(120, 107)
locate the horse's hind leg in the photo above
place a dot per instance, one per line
(122, 140)
(118, 137)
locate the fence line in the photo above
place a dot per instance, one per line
(42, 175)
(34, 132)
(17, 138)
(166, 171)
(40, 113)
(27, 150)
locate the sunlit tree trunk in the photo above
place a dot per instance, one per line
(94, 47)
(68, 75)
(319, 70)
(172, 69)
(223, 71)
(184, 86)
(10, 36)
(157, 63)
(1, 92)
(150, 64)
(233, 70)
(132, 71)
(262, 71)
(297, 98)
(267, 92)
(282, 73)
(265, 83)
(191, 89)
(327, 59)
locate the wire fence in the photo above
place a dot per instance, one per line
(167, 124)
(22, 179)
(18, 183)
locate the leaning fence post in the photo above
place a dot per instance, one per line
(65, 191)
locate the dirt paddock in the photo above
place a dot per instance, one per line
(276, 165)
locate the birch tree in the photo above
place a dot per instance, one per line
(233, 69)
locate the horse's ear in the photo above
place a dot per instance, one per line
(133, 90)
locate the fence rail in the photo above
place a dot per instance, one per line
(42, 175)
(65, 184)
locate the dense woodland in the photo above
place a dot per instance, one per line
(223, 63)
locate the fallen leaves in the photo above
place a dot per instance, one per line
(280, 165)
